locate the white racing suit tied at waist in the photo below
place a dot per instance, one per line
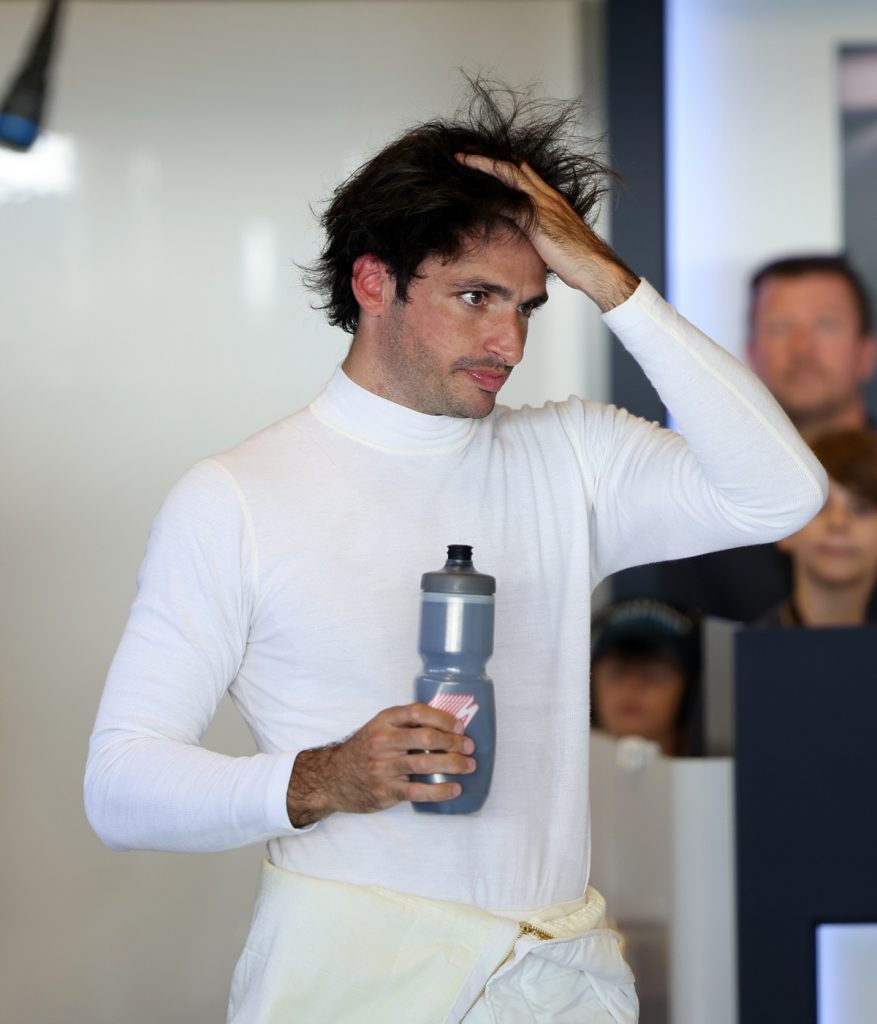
(332, 953)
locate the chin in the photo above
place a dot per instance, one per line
(840, 581)
(480, 414)
(471, 409)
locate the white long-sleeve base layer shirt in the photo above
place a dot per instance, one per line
(287, 572)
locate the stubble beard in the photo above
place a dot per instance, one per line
(827, 414)
(416, 378)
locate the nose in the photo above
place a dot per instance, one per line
(836, 515)
(507, 339)
(801, 339)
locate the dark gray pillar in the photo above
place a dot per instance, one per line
(635, 100)
(635, 108)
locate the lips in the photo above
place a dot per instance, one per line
(488, 380)
(630, 710)
(838, 550)
(805, 372)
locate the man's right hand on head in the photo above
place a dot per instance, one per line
(579, 257)
(370, 770)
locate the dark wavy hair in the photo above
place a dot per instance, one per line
(816, 263)
(643, 629)
(414, 200)
(850, 458)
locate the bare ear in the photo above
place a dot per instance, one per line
(867, 357)
(372, 283)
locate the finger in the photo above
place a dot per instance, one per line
(507, 172)
(428, 763)
(426, 792)
(383, 750)
(539, 184)
(422, 715)
(520, 177)
(432, 739)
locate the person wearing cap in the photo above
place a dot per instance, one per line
(644, 673)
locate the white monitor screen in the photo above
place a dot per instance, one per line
(846, 973)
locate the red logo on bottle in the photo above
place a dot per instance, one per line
(460, 705)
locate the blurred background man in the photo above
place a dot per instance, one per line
(811, 340)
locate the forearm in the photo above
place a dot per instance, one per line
(747, 449)
(307, 799)
(149, 783)
(602, 276)
(739, 474)
(147, 793)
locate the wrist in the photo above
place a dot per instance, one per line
(618, 290)
(306, 799)
(608, 282)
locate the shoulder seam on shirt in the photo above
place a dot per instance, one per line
(578, 450)
(248, 524)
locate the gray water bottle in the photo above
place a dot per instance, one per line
(456, 639)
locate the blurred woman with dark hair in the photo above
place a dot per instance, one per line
(645, 664)
(834, 557)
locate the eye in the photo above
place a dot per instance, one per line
(864, 509)
(474, 298)
(528, 309)
(826, 325)
(775, 329)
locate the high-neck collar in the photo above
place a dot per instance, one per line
(346, 407)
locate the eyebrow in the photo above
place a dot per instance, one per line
(477, 285)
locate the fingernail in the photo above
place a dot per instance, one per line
(471, 765)
(459, 727)
(468, 745)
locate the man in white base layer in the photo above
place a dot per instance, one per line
(286, 572)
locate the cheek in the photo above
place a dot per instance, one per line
(840, 358)
(806, 537)
(663, 704)
(770, 358)
(835, 365)
(608, 699)
(444, 333)
(867, 535)
(599, 696)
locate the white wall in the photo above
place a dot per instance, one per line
(150, 314)
(672, 894)
(754, 143)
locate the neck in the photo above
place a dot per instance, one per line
(841, 606)
(364, 369)
(354, 366)
(852, 416)
(371, 419)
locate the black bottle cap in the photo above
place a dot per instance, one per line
(460, 553)
(458, 576)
